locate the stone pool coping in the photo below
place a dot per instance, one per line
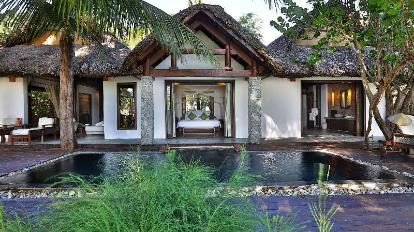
(348, 187)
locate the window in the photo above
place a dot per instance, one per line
(127, 112)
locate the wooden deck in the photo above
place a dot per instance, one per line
(391, 212)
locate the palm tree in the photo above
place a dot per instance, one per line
(90, 19)
(274, 3)
(194, 2)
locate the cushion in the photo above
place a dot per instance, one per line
(408, 130)
(204, 116)
(94, 129)
(8, 121)
(22, 131)
(47, 122)
(101, 124)
(192, 116)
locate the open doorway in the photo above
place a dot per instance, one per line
(332, 108)
(85, 108)
(200, 109)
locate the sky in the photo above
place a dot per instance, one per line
(235, 8)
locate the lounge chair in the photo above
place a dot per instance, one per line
(404, 138)
(6, 126)
(46, 126)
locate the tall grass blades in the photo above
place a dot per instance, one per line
(2, 227)
(320, 212)
(278, 223)
(168, 196)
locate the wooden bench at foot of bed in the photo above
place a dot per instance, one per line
(184, 131)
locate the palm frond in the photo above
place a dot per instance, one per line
(274, 3)
(91, 19)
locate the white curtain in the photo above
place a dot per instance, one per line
(227, 112)
(53, 93)
(174, 131)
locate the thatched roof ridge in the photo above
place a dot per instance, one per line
(227, 20)
(43, 60)
(342, 62)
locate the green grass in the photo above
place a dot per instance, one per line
(168, 196)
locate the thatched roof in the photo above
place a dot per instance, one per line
(342, 62)
(43, 60)
(227, 20)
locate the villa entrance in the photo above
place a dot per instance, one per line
(332, 108)
(200, 109)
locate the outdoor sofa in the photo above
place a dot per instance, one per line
(46, 126)
(98, 129)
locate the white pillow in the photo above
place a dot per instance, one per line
(408, 130)
(47, 122)
(100, 124)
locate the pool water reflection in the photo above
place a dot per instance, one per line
(274, 168)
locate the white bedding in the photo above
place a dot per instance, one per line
(198, 124)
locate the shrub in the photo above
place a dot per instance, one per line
(164, 196)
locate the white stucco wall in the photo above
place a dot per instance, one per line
(95, 101)
(110, 109)
(241, 99)
(159, 109)
(281, 108)
(13, 98)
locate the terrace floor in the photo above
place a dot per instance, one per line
(390, 212)
(310, 136)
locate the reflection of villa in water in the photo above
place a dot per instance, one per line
(253, 92)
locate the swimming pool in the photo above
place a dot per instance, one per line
(273, 168)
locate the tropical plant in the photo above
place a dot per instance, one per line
(90, 20)
(320, 212)
(170, 195)
(40, 104)
(194, 2)
(167, 196)
(278, 223)
(252, 23)
(380, 32)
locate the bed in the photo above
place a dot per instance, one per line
(198, 125)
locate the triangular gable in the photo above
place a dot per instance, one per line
(234, 42)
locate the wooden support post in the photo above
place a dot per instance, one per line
(12, 78)
(227, 61)
(254, 69)
(173, 62)
(147, 67)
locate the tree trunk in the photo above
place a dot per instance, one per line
(369, 128)
(386, 131)
(389, 106)
(67, 133)
(409, 99)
